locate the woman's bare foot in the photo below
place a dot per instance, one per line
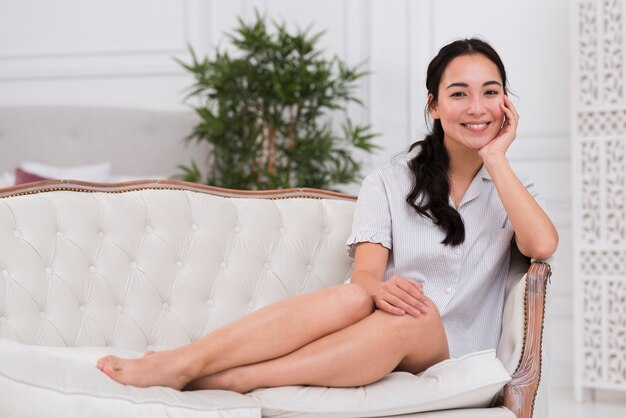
(165, 368)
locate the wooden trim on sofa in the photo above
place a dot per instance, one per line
(521, 391)
(83, 186)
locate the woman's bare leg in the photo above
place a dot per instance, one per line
(360, 354)
(269, 333)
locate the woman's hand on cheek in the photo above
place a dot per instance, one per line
(503, 140)
(399, 296)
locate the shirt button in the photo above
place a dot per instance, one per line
(457, 251)
(448, 289)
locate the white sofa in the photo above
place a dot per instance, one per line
(89, 269)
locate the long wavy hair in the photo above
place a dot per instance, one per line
(429, 195)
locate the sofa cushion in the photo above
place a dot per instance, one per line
(40, 381)
(471, 381)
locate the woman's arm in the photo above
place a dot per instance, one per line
(397, 295)
(535, 234)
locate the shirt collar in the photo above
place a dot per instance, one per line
(473, 191)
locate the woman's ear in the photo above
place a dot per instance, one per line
(432, 107)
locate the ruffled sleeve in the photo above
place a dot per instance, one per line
(372, 215)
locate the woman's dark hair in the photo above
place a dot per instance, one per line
(429, 196)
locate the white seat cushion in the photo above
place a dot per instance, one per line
(471, 381)
(40, 381)
(66, 379)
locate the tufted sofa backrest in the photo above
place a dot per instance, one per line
(151, 265)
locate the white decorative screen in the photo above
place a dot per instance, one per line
(599, 171)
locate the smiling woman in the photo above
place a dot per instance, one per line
(427, 283)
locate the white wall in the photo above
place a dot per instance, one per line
(119, 53)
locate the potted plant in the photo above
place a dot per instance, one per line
(268, 112)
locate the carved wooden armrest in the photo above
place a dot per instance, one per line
(521, 391)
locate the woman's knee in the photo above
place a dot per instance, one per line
(356, 299)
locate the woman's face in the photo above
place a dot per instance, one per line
(470, 94)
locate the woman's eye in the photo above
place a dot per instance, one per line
(457, 94)
(491, 92)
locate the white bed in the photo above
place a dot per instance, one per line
(137, 143)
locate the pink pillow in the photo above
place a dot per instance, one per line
(22, 176)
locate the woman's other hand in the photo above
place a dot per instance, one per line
(400, 296)
(501, 143)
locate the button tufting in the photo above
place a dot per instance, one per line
(309, 267)
(59, 234)
(251, 304)
(281, 231)
(93, 269)
(3, 319)
(194, 227)
(100, 234)
(42, 314)
(148, 228)
(166, 306)
(237, 229)
(267, 265)
(133, 265)
(327, 231)
(179, 265)
(209, 302)
(150, 348)
(118, 307)
(5, 273)
(82, 308)
(223, 264)
(17, 233)
(49, 270)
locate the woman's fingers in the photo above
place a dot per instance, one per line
(412, 296)
(388, 307)
(406, 295)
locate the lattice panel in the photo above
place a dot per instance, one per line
(603, 263)
(588, 52)
(598, 123)
(616, 332)
(612, 51)
(590, 190)
(592, 331)
(614, 200)
(599, 166)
